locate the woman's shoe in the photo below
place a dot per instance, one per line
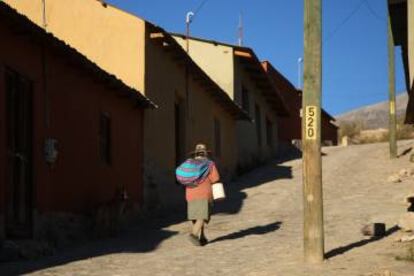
(203, 241)
(194, 240)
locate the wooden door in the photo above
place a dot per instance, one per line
(19, 155)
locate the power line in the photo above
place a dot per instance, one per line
(198, 9)
(373, 12)
(346, 19)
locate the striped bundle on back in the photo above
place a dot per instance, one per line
(193, 171)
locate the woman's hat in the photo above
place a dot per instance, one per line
(200, 148)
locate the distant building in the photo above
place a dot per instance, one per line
(192, 107)
(239, 73)
(70, 133)
(292, 124)
(401, 13)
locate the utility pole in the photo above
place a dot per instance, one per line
(391, 78)
(311, 134)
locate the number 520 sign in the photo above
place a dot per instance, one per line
(310, 123)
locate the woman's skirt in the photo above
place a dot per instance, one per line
(199, 209)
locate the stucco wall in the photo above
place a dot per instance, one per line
(218, 65)
(250, 154)
(226, 70)
(329, 131)
(78, 181)
(3, 151)
(165, 83)
(111, 38)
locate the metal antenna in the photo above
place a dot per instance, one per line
(240, 30)
(44, 23)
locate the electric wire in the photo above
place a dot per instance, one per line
(346, 19)
(198, 9)
(373, 12)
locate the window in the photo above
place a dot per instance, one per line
(269, 132)
(258, 121)
(217, 137)
(245, 99)
(105, 138)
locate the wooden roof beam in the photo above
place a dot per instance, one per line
(242, 54)
(156, 35)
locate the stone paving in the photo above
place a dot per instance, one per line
(258, 230)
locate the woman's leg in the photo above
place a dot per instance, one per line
(198, 227)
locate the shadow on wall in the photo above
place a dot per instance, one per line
(257, 230)
(134, 241)
(234, 191)
(288, 151)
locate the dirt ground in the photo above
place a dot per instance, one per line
(258, 230)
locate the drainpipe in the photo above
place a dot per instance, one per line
(188, 21)
(44, 70)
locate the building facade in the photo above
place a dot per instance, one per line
(71, 133)
(239, 73)
(192, 108)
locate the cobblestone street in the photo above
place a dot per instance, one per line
(258, 230)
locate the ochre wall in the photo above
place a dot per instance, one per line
(250, 154)
(218, 65)
(165, 83)
(111, 38)
(226, 70)
(78, 181)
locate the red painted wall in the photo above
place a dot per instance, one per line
(2, 141)
(290, 127)
(329, 130)
(78, 181)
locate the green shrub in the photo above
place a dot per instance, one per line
(350, 129)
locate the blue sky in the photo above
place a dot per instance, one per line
(355, 69)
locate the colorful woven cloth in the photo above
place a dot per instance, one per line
(193, 171)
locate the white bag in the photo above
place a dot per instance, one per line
(218, 191)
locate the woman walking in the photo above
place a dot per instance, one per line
(198, 174)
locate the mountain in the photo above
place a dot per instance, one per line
(374, 116)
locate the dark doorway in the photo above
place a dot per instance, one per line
(179, 132)
(19, 155)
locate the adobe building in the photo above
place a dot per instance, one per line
(292, 124)
(401, 14)
(70, 133)
(239, 73)
(192, 107)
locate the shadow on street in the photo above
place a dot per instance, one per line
(257, 230)
(149, 234)
(234, 191)
(134, 241)
(343, 249)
